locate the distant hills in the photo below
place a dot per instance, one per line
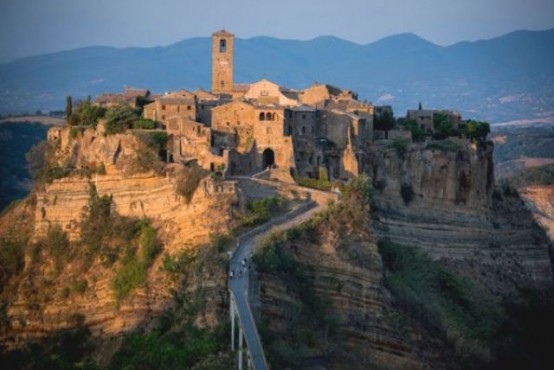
(502, 79)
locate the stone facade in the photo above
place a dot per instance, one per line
(246, 128)
(222, 62)
(182, 104)
(425, 118)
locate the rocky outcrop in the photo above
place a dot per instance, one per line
(345, 272)
(44, 300)
(456, 215)
(539, 199)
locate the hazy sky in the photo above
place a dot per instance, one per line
(29, 27)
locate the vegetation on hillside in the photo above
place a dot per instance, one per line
(542, 175)
(311, 325)
(461, 312)
(532, 142)
(259, 211)
(481, 329)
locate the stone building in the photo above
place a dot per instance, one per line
(246, 128)
(222, 62)
(181, 104)
(425, 118)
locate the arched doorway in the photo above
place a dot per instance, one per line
(268, 158)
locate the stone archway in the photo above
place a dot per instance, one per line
(268, 158)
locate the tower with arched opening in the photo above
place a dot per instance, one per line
(222, 62)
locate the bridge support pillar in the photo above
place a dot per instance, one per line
(241, 339)
(232, 312)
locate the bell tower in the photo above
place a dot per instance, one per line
(222, 62)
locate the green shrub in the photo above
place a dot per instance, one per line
(80, 286)
(259, 211)
(131, 275)
(401, 147)
(101, 170)
(120, 118)
(148, 243)
(476, 130)
(178, 264)
(11, 259)
(407, 193)
(418, 134)
(313, 183)
(57, 246)
(145, 124)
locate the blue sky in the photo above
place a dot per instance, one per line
(30, 27)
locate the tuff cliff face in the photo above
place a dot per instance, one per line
(454, 213)
(352, 323)
(441, 201)
(540, 200)
(45, 298)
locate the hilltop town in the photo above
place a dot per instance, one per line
(145, 205)
(321, 132)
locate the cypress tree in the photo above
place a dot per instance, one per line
(68, 108)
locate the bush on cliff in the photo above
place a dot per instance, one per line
(11, 260)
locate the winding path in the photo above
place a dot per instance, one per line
(238, 286)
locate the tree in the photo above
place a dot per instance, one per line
(443, 126)
(418, 134)
(120, 118)
(476, 130)
(68, 108)
(384, 121)
(89, 114)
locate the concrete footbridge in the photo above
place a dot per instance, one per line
(239, 278)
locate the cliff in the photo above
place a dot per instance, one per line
(355, 306)
(540, 200)
(47, 296)
(455, 214)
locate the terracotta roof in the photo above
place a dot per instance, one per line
(176, 100)
(134, 93)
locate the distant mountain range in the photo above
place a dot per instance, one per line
(502, 79)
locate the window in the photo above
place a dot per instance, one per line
(163, 117)
(222, 46)
(178, 108)
(222, 84)
(303, 116)
(189, 107)
(262, 116)
(303, 130)
(268, 130)
(163, 107)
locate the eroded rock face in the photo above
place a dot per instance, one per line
(46, 300)
(540, 201)
(365, 332)
(455, 215)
